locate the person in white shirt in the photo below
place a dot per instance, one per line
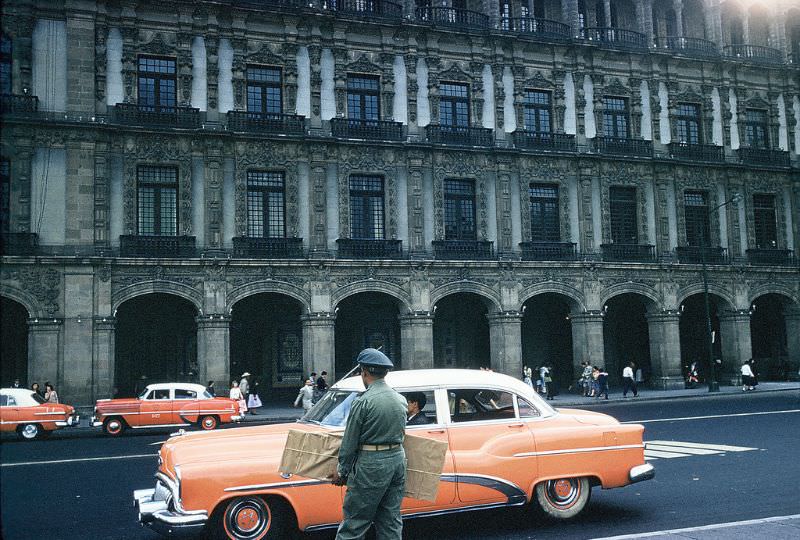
(306, 396)
(629, 383)
(748, 378)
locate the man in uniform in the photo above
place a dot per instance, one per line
(371, 460)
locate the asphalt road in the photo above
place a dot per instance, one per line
(41, 496)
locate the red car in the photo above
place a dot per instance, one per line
(27, 413)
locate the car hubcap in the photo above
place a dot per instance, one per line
(563, 492)
(30, 431)
(247, 519)
(209, 423)
(114, 426)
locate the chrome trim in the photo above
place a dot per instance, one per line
(158, 425)
(175, 488)
(297, 483)
(512, 491)
(96, 423)
(579, 450)
(156, 515)
(48, 413)
(640, 473)
(60, 423)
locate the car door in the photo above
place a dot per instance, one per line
(156, 408)
(185, 406)
(9, 413)
(486, 436)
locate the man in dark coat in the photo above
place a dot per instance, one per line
(416, 402)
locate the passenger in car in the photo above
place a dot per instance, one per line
(416, 402)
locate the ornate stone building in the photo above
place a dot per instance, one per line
(193, 189)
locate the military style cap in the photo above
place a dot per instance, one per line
(374, 358)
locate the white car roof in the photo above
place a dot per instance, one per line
(199, 388)
(21, 395)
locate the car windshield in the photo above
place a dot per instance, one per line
(332, 410)
(143, 392)
(37, 398)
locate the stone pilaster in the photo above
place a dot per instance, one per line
(315, 59)
(319, 343)
(103, 349)
(213, 194)
(319, 233)
(587, 339)
(80, 62)
(416, 340)
(505, 342)
(665, 350)
(737, 348)
(503, 195)
(213, 349)
(791, 317)
(416, 204)
(45, 350)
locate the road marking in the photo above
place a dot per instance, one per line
(657, 454)
(677, 419)
(677, 449)
(683, 449)
(703, 528)
(105, 458)
(720, 447)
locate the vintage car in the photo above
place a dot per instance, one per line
(27, 413)
(165, 404)
(506, 447)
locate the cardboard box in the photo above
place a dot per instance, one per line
(425, 459)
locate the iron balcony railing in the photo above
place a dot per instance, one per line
(764, 156)
(365, 8)
(463, 19)
(271, 123)
(697, 152)
(688, 45)
(18, 104)
(377, 130)
(537, 27)
(697, 254)
(352, 248)
(245, 247)
(535, 140)
(615, 37)
(156, 246)
(19, 243)
(754, 53)
(628, 252)
(152, 116)
(771, 257)
(548, 251)
(623, 147)
(282, 4)
(463, 249)
(460, 135)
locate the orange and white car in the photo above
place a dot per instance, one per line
(506, 447)
(163, 405)
(27, 413)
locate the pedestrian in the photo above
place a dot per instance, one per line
(548, 381)
(35, 388)
(371, 457)
(544, 373)
(322, 384)
(526, 376)
(628, 381)
(50, 394)
(305, 396)
(236, 395)
(16, 384)
(244, 387)
(602, 383)
(210, 389)
(692, 375)
(639, 376)
(748, 378)
(586, 378)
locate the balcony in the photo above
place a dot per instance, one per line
(697, 152)
(271, 4)
(623, 147)
(375, 130)
(754, 53)
(771, 257)
(698, 255)
(463, 249)
(20, 244)
(537, 28)
(156, 246)
(368, 9)
(552, 142)
(548, 251)
(18, 104)
(149, 116)
(460, 135)
(245, 247)
(689, 46)
(642, 253)
(462, 19)
(764, 156)
(266, 123)
(348, 248)
(615, 37)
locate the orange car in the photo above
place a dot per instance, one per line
(165, 404)
(506, 447)
(27, 413)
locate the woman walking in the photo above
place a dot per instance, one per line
(306, 396)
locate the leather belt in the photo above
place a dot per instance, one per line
(379, 447)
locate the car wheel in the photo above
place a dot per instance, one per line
(253, 518)
(563, 498)
(208, 422)
(114, 426)
(29, 432)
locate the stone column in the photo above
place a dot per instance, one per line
(734, 329)
(505, 342)
(416, 340)
(665, 350)
(315, 59)
(103, 345)
(587, 340)
(213, 349)
(319, 344)
(791, 317)
(80, 62)
(44, 350)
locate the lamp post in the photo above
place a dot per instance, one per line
(713, 385)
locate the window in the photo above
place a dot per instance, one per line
(158, 201)
(454, 105)
(157, 83)
(756, 128)
(6, 64)
(582, 18)
(615, 117)
(623, 215)
(265, 204)
(765, 221)
(687, 123)
(537, 111)
(366, 207)
(180, 393)
(459, 210)
(697, 226)
(3, 400)
(363, 97)
(544, 213)
(428, 409)
(526, 410)
(162, 393)
(5, 196)
(472, 405)
(264, 91)
(505, 14)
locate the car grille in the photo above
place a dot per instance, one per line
(162, 493)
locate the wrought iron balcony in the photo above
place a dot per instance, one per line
(460, 135)
(18, 104)
(369, 9)
(535, 140)
(151, 116)
(541, 28)
(628, 252)
(764, 156)
(697, 152)
(615, 37)
(696, 255)
(463, 249)
(623, 147)
(349, 248)
(688, 45)
(19, 243)
(771, 257)
(268, 123)
(245, 247)
(376, 130)
(280, 4)
(156, 246)
(754, 53)
(548, 251)
(462, 19)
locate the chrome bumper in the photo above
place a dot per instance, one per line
(640, 473)
(94, 422)
(235, 418)
(155, 513)
(73, 420)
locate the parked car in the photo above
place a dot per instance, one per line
(27, 413)
(506, 447)
(165, 404)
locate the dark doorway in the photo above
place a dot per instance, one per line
(364, 320)
(768, 337)
(13, 343)
(461, 332)
(547, 338)
(694, 333)
(626, 335)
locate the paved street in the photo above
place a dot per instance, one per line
(722, 459)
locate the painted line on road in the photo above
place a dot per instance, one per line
(703, 528)
(56, 461)
(685, 446)
(677, 419)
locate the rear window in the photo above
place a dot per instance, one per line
(477, 405)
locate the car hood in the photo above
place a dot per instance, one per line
(588, 417)
(117, 403)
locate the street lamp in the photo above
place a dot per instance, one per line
(713, 385)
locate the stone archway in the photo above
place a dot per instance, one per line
(367, 319)
(13, 342)
(626, 335)
(694, 332)
(773, 328)
(461, 331)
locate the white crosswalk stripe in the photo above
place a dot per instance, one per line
(678, 449)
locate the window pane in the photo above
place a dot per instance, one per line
(472, 405)
(765, 221)
(266, 209)
(366, 207)
(459, 205)
(264, 90)
(545, 225)
(157, 83)
(624, 228)
(363, 97)
(157, 201)
(697, 222)
(5, 196)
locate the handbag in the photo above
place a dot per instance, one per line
(253, 402)
(242, 406)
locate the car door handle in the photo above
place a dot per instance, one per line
(436, 431)
(516, 425)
